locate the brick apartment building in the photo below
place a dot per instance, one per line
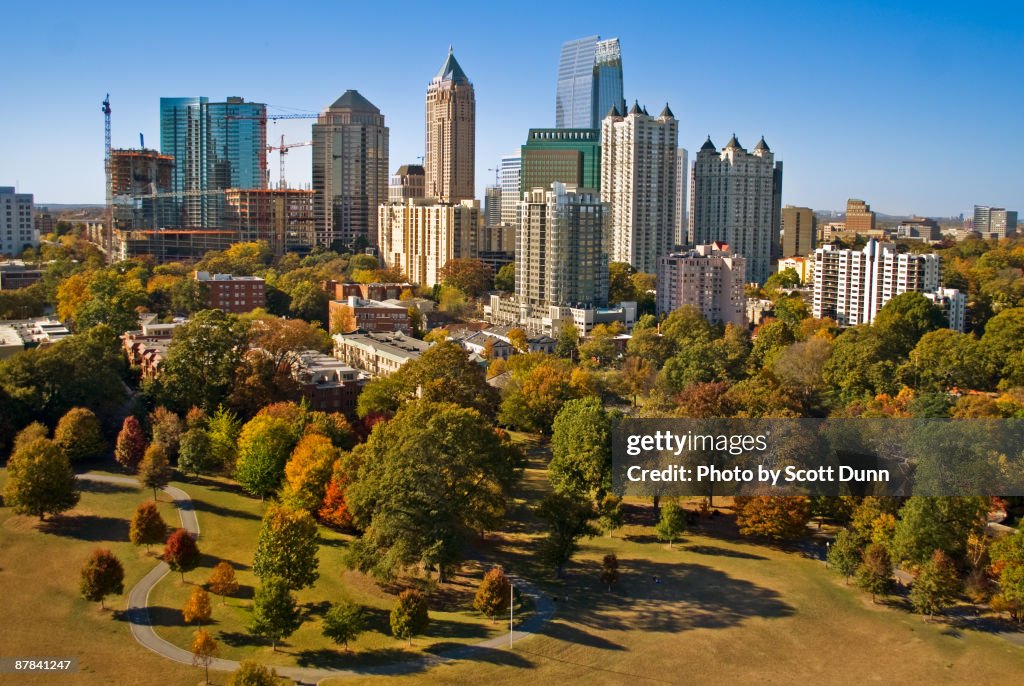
(233, 294)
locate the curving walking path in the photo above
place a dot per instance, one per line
(137, 613)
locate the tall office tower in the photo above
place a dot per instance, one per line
(17, 222)
(859, 217)
(798, 231)
(682, 199)
(852, 286)
(589, 82)
(708, 277)
(406, 183)
(735, 200)
(492, 206)
(509, 175)
(994, 222)
(562, 248)
(215, 146)
(419, 237)
(451, 134)
(569, 156)
(350, 172)
(638, 180)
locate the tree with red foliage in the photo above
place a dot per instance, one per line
(334, 510)
(181, 552)
(131, 444)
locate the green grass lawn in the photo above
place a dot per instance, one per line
(229, 522)
(724, 609)
(44, 616)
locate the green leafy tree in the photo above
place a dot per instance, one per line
(287, 547)
(874, 574)
(429, 478)
(609, 513)
(155, 470)
(581, 453)
(79, 435)
(936, 585)
(568, 519)
(224, 427)
(275, 615)
(904, 320)
(264, 445)
(471, 276)
(40, 480)
(181, 552)
(492, 595)
(344, 622)
(102, 575)
(201, 361)
(610, 570)
(195, 453)
(844, 555)
(672, 522)
(927, 524)
(620, 284)
(505, 279)
(131, 444)
(147, 526)
(410, 615)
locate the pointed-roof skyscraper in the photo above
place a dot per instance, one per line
(350, 172)
(450, 154)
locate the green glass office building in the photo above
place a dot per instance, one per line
(569, 156)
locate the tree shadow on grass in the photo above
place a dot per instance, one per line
(221, 511)
(577, 636)
(473, 653)
(152, 616)
(721, 552)
(446, 628)
(673, 597)
(238, 639)
(87, 527)
(90, 486)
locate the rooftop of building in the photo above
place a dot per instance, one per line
(353, 100)
(410, 170)
(451, 70)
(9, 336)
(356, 301)
(206, 276)
(394, 342)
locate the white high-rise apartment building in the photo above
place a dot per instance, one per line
(509, 171)
(852, 286)
(638, 181)
(737, 199)
(708, 277)
(682, 198)
(17, 222)
(419, 237)
(562, 248)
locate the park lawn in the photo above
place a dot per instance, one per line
(44, 616)
(229, 523)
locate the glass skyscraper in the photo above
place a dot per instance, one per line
(589, 82)
(215, 146)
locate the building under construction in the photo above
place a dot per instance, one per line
(283, 217)
(134, 175)
(171, 245)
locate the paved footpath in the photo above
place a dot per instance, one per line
(137, 612)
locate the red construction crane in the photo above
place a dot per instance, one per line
(283, 150)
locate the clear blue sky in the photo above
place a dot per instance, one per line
(915, 109)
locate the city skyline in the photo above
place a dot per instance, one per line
(917, 103)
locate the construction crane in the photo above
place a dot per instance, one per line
(274, 117)
(283, 150)
(108, 172)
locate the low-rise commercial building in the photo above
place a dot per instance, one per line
(354, 313)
